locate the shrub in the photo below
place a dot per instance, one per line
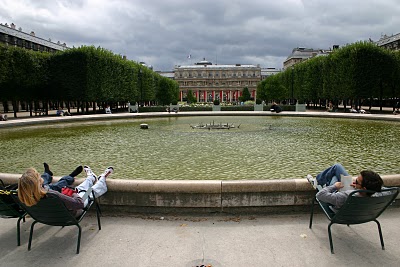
(216, 102)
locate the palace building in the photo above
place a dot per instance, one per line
(389, 42)
(210, 82)
(9, 35)
(300, 54)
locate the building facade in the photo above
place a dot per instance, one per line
(389, 42)
(210, 82)
(300, 54)
(9, 35)
(266, 72)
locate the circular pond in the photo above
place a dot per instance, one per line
(261, 148)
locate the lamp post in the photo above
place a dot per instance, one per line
(141, 87)
(291, 100)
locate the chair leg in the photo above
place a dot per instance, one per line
(330, 238)
(79, 238)
(380, 234)
(312, 212)
(30, 235)
(98, 206)
(98, 213)
(19, 230)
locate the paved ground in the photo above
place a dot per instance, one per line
(217, 240)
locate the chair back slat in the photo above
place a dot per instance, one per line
(52, 211)
(364, 209)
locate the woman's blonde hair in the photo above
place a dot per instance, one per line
(30, 189)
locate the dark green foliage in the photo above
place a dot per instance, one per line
(216, 102)
(245, 95)
(191, 97)
(238, 108)
(354, 73)
(85, 74)
(23, 73)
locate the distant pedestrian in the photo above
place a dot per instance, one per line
(397, 111)
(3, 117)
(275, 108)
(108, 109)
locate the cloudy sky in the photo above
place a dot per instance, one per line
(164, 32)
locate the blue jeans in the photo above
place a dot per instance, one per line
(331, 175)
(64, 181)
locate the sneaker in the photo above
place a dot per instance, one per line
(89, 172)
(312, 181)
(107, 172)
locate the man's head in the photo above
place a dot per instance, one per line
(369, 180)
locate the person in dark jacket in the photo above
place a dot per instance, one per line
(275, 108)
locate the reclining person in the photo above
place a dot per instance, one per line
(328, 183)
(66, 180)
(31, 190)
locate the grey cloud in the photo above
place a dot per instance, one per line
(163, 33)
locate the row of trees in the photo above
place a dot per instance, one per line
(352, 74)
(86, 74)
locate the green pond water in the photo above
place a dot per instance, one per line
(261, 148)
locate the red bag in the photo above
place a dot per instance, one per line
(67, 191)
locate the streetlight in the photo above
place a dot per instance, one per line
(141, 87)
(291, 100)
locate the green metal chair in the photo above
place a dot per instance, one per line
(10, 209)
(51, 210)
(357, 210)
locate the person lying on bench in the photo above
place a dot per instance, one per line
(31, 190)
(328, 183)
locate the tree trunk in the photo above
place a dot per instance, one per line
(30, 108)
(15, 108)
